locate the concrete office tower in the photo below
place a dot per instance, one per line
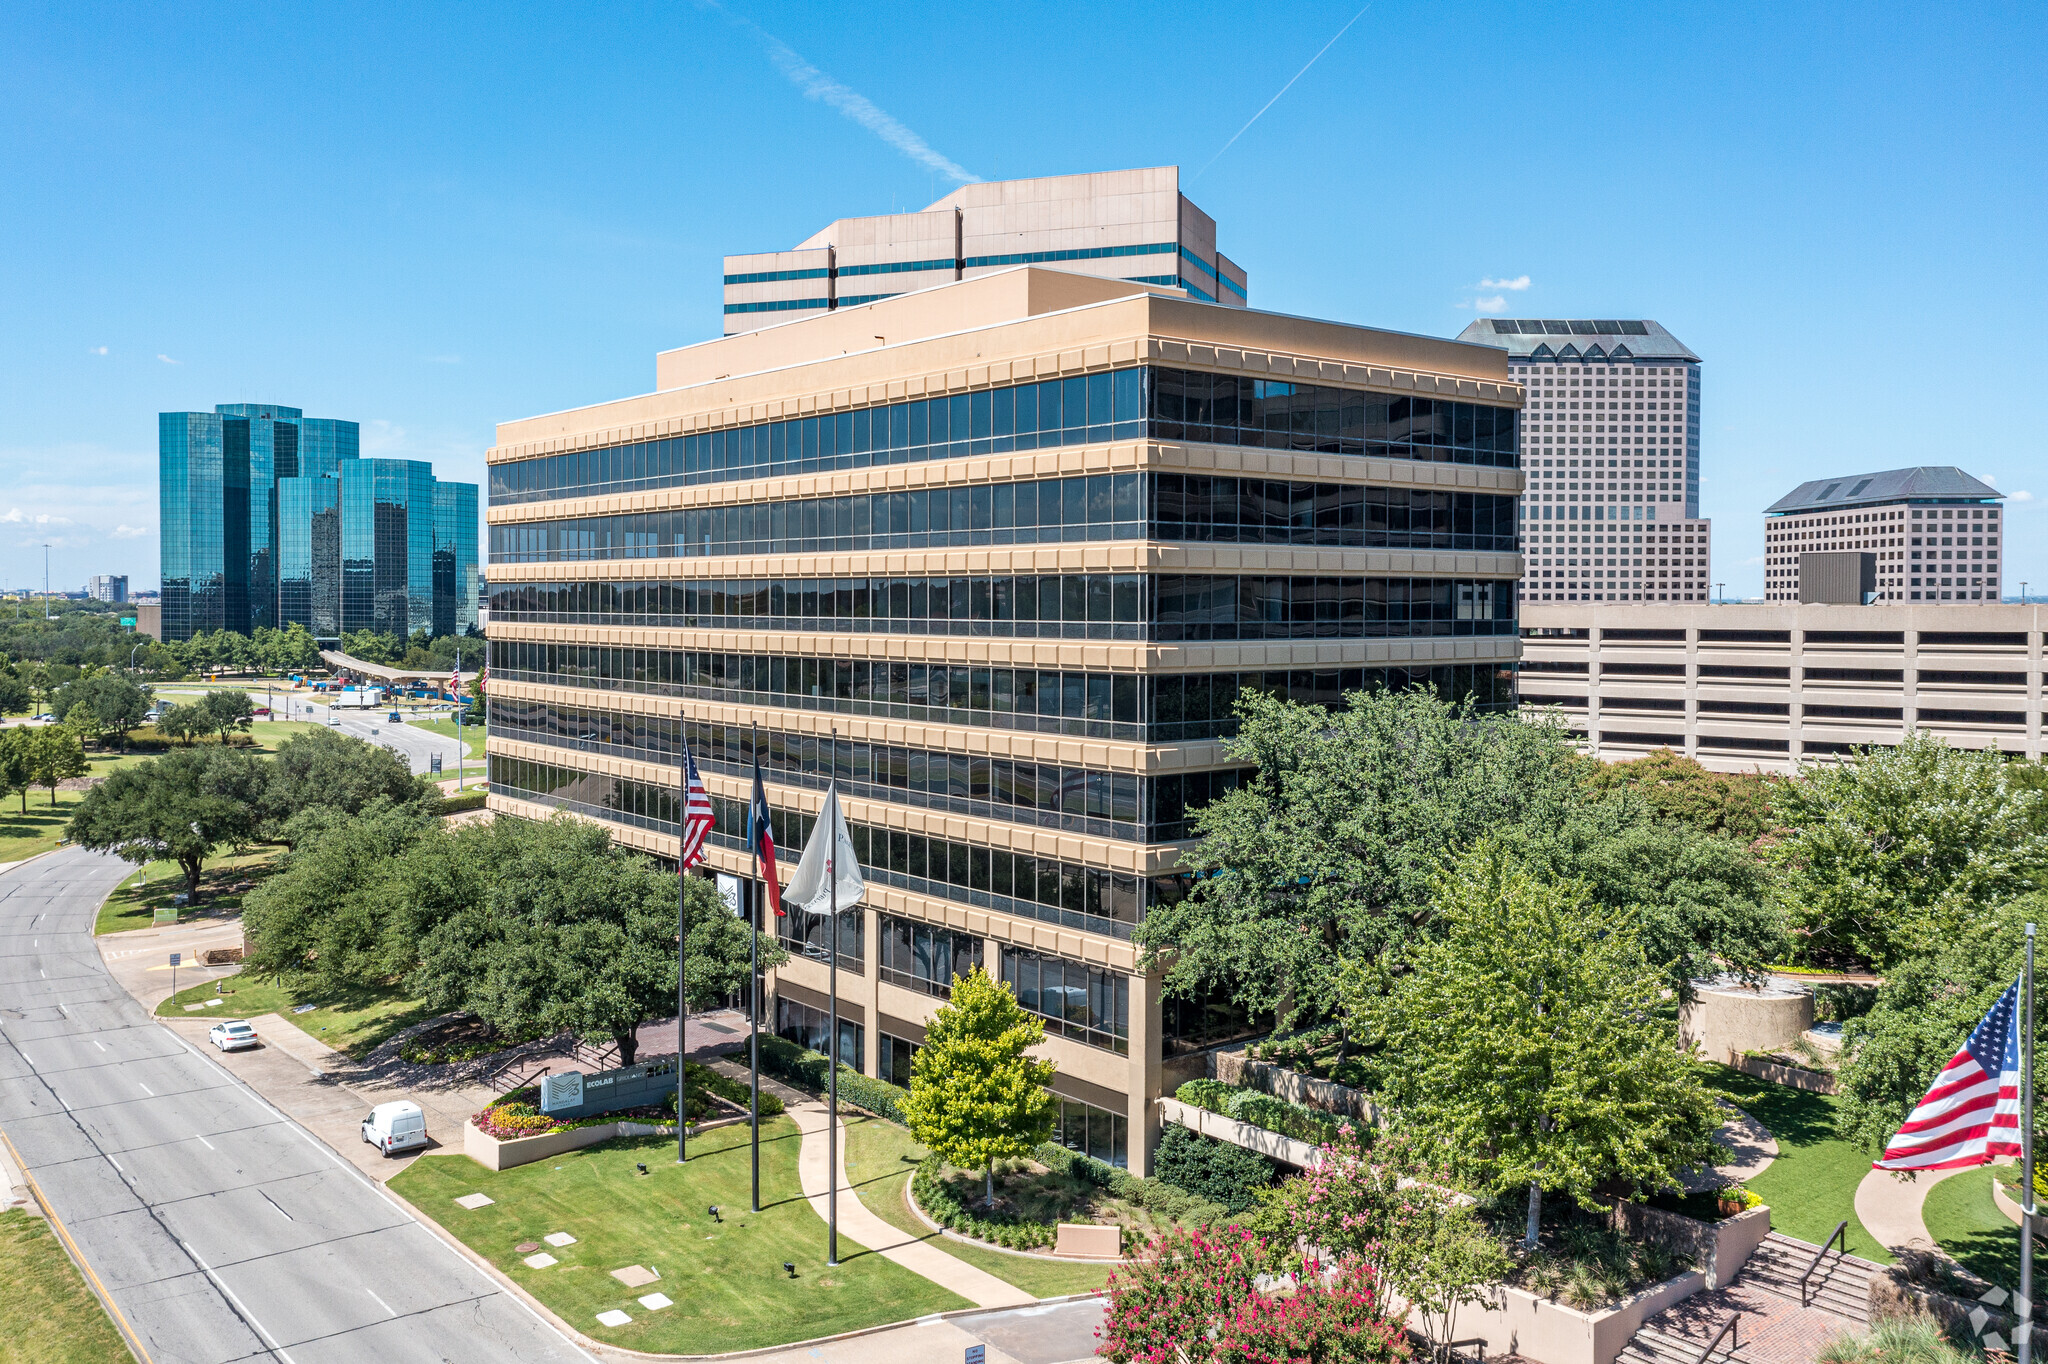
(272, 518)
(1611, 448)
(1926, 534)
(109, 587)
(1129, 225)
(1003, 576)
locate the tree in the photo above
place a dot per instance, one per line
(1327, 852)
(101, 704)
(228, 711)
(16, 695)
(1903, 847)
(1535, 1043)
(975, 1097)
(370, 646)
(1678, 788)
(322, 768)
(328, 911)
(56, 755)
(547, 926)
(17, 762)
(182, 806)
(1924, 1011)
(185, 721)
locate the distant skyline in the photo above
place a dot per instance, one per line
(435, 220)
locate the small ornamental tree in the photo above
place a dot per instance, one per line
(57, 756)
(228, 711)
(975, 1097)
(184, 721)
(17, 762)
(1537, 1044)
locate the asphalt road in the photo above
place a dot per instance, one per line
(415, 745)
(221, 1230)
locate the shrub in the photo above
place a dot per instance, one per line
(1211, 1169)
(1901, 1340)
(940, 1204)
(731, 1090)
(456, 804)
(1154, 1195)
(1213, 1095)
(1278, 1115)
(785, 1059)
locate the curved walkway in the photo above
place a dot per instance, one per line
(862, 1227)
(1889, 1206)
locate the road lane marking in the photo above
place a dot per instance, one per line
(97, 1043)
(116, 1164)
(379, 1301)
(247, 1315)
(78, 1256)
(273, 1203)
(203, 1141)
(145, 1089)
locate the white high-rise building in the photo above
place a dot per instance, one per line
(1923, 534)
(1611, 451)
(1131, 225)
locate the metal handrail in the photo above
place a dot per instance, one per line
(1727, 1329)
(1840, 1233)
(1451, 1347)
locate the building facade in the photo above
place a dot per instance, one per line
(1001, 575)
(1925, 534)
(111, 587)
(1130, 225)
(1611, 449)
(1772, 685)
(273, 518)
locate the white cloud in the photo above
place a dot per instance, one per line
(167, 359)
(95, 350)
(1497, 303)
(15, 516)
(1992, 479)
(125, 532)
(2021, 495)
(1518, 283)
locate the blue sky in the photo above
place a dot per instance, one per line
(430, 218)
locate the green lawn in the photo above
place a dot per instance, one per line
(1812, 1184)
(1963, 1221)
(726, 1278)
(880, 1157)
(24, 834)
(354, 1021)
(133, 903)
(51, 1316)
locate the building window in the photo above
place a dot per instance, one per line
(807, 935)
(808, 1028)
(920, 957)
(1094, 1132)
(893, 1058)
(1085, 1003)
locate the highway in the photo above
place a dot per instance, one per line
(220, 1230)
(415, 745)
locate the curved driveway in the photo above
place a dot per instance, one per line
(220, 1230)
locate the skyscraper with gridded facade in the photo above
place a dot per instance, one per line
(997, 556)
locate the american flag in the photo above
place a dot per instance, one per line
(455, 684)
(1972, 1112)
(697, 815)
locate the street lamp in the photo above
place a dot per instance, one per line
(1718, 599)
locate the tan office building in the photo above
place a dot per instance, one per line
(1770, 686)
(997, 556)
(1923, 534)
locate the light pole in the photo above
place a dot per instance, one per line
(1718, 599)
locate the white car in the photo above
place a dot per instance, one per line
(232, 1034)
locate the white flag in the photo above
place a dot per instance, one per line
(810, 888)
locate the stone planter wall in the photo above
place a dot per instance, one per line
(1519, 1322)
(1236, 1068)
(1795, 1077)
(1296, 1153)
(1720, 1249)
(496, 1153)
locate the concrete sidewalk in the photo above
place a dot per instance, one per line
(858, 1225)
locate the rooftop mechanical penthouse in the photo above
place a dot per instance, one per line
(998, 556)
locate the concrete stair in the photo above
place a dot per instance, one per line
(1652, 1346)
(1840, 1285)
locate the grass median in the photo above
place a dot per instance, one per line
(725, 1277)
(51, 1316)
(880, 1157)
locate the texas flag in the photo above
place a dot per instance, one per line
(761, 837)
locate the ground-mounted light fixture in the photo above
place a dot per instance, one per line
(641, 1166)
(713, 1210)
(789, 1268)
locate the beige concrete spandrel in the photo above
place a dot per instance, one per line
(1020, 653)
(1016, 324)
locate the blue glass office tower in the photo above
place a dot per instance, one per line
(273, 518)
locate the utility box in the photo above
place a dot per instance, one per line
(1842, 577)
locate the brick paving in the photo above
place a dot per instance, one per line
(1773, 1329)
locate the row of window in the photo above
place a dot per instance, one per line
(1124, 606)
(1096, 507)
(1809, 710)
(1925, 677)
(1153, 708)
(1088, 898)
(1122, 404)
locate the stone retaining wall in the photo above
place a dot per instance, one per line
(1795, 1077)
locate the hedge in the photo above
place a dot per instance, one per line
(1156, 1195)
(1260, 1110)
(784, 1058)
(1211, 1169)
(942, 1207)
(729, 1089)
(456, 804)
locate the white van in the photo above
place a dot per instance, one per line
(395, 1127)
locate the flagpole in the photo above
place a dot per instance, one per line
(683, 947)
(832, 1028)
(754, 970)
(2026, 1302)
